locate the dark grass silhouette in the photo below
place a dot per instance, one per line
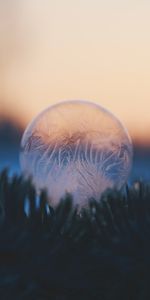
(101, 253)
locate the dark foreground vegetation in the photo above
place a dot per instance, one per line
(58, 254)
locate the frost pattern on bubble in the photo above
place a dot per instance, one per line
(76, 147)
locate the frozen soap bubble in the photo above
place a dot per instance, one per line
(76, 147)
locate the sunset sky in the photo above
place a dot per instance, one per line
(76, 49)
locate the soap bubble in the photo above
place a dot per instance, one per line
(76, 147)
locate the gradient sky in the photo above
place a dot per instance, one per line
(82, 49)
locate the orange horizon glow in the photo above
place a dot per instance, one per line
(92, 50)
(139, 137)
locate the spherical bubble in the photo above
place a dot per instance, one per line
(76, 147)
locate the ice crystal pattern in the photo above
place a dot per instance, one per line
(76, 147)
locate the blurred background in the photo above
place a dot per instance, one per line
(83, 49)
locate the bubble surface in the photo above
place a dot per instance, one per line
(76, 147)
